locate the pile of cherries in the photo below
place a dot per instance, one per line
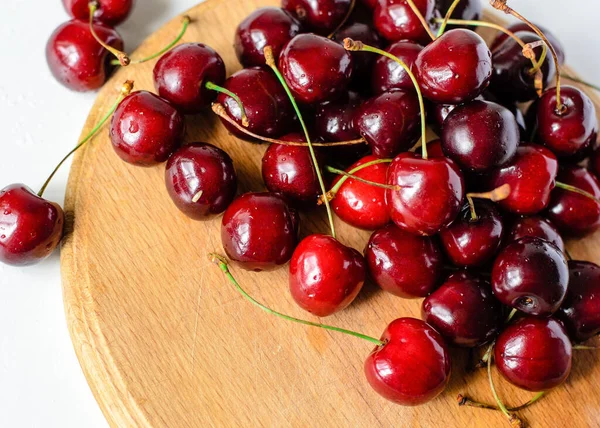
(472, 222)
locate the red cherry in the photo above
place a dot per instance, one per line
(371, 4)
(520, 26)
(412, 367)
(181, 74)
(110, 12)
(145, 129)
(534, 354)
(537, 227)
(470, 10)
(321, 17)
(404, 264)
(76, 59)
(387, 74)
(259, 231)
(454, 68)
(594, 163)
(201, 180)
(325, 276)
(30, 227)
(395, 20)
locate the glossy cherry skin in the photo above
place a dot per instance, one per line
(267, 26)
(201, 167)
(469, 242)
(531, 175)
(315, 68)
(267, 106)
(110, 12)
(464, 311)
(430, 196)
(76, 59)
(572, 213)
(387, 74)
(260, 231)
(470, 10)
(390, 122)
(181, 74)
(321, 17)
(537, 227)
(30, 227)
(404, 264)
(580, 311)
(480, 135)
(531, 275)
(455, 68)
(412, 367)
(363, 61)
(359, 204)
(534, 354)
(325, 275)
(145, 129)
(395, 20)
(520, 26)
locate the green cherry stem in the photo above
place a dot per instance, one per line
(214, 87)
(447, 17)
(270, 60)
(513, 419)
(467, 401)
(577, 190)
(496, 195)
(221, 262)
(585, 348)
(122, 57)
(582, 82)
(125, 90)
(419, 15)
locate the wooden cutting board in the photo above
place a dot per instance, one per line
(165, 341)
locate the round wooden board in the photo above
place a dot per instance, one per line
(165, 341)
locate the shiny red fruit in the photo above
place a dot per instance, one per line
(395, 20)
(110, 12)
(321, 17)
(536, 227)
(387, 74)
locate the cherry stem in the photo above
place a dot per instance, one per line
(585, 347)
(223, 265)
(467, 401)
(213, 87)
(498, 194)
(574, 189)
(419, 15)
(270, 60)
(124, 60)
(125, 91)
(513, 419)
(346, 18)
(582, 82)
(352, 45)
(530, 54)
(447, 17)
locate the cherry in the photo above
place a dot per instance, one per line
(594, 163)
(371, 4)
(520, 27)
(321, 17)
(537, 227)
(580, 311)
(480, 135)
(259, 231)
(388, 74)
(412, 367)
(464, 311)
(454, 68)
(30, 227)
(404, 264)
(395, 20)
(181, 74)
(470, 10)
(469, 242)
(531, 175)
(145, 129)
(110, 12)
(201, 180)
(534, 354)
(531, 275)
(389, 122)
(572, 213)
(265, 102)
(76, 59)
(363, 61)
(315, 68)
(267, 26)
(430, 195)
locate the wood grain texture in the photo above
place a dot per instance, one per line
(165, 341)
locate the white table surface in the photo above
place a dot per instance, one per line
(41, 383)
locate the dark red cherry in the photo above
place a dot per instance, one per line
(145, 129)
(181, 74)
(395, 20)
(534, 354)
(404, 264)
(580, 311)
(363, 61)
(321, 17)
(389, 122)
(572, 213)
(387, 74)
(260, 231)
(531, 275)
(76, 59)
(110, 12)
(520, 26)
(480, 135)
(371, 4)
(267, 106)
(469, 242)
(454, 68)
(412, 367)
(430, 196)
(30, 227)
(464, 311)
(267, 26)
(315, 68)
(201, 180)
(531, 175)
(359, 204)
(594, 163)
(470, 10)
(537, 227)
(325, 275)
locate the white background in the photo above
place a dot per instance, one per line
(41, 383)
